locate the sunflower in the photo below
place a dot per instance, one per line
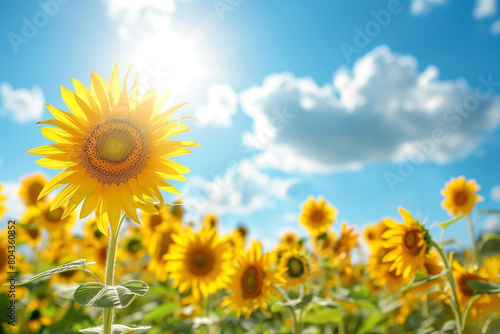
(48, 218)
(491, 268)
(460, 196)
(408, 244)
(235, 242)
(30, 188)
(317, 215)
(91, 230)
(373, 235)
(251, 285)
(115, 149)
(199, 261)
(485, 305)
(346, 242)
(211, 221)
(158, 246)
(381, 273)
(295, 267)
(152, 221)
(3, 208)
(323, 244)
(4, 256)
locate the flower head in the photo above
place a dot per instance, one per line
(30, 188)
(408, 245)
(460, 196)
(317, 215)
(251, 285)
(295, 267)
(115, 150)
(199, 262)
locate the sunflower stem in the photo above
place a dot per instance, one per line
(474, 243)
(451, 281)
(108, 313)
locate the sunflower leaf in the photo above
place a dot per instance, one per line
(484, 287)
(75, 265)
(115, 329)
(105, 296)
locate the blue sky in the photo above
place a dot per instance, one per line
(284, 110)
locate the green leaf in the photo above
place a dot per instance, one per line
(100, 295)
(484, 287)
(322, 316)
(369, 323)
(75, 265)
(295, 304)
(161, 312)
(135, 286)
(115, 329)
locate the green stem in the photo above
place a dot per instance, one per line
(337, 288)
(108, 313)
(474, 243)
(451, 281)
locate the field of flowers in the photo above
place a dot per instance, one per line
(154, 271)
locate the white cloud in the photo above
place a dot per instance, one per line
(14, 204)
(420, 7)
(384, 109)
(495, 27)
(495, 193)
(147, 14)
(492, 224)
(222, 104)
(485, 8)
(23, 105)
(241, 190)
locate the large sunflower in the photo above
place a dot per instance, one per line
(199, 261)
(115, 149)
(251, 285)
(460, 196)
(317, 215)
(30, 188)
(408, 244)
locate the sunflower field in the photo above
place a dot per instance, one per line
(139, 265)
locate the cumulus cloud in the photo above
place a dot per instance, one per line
(222, 104)
(383, 109)
(492, 224)
(485, 8)
(137, 17)
(22, 105)
(241, 190)
(495, 193)
(420, 7)
(495, 27)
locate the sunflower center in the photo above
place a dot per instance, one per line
(464, 286)
(317, 216)
(115, 145)
(201, 261)
(33, 232)
(460, 198)
(410, 239)
(251, 282)
(115, 151)
(164, 244)
(3, 258)
(295, 267)
(33, 192)
(54, 216)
